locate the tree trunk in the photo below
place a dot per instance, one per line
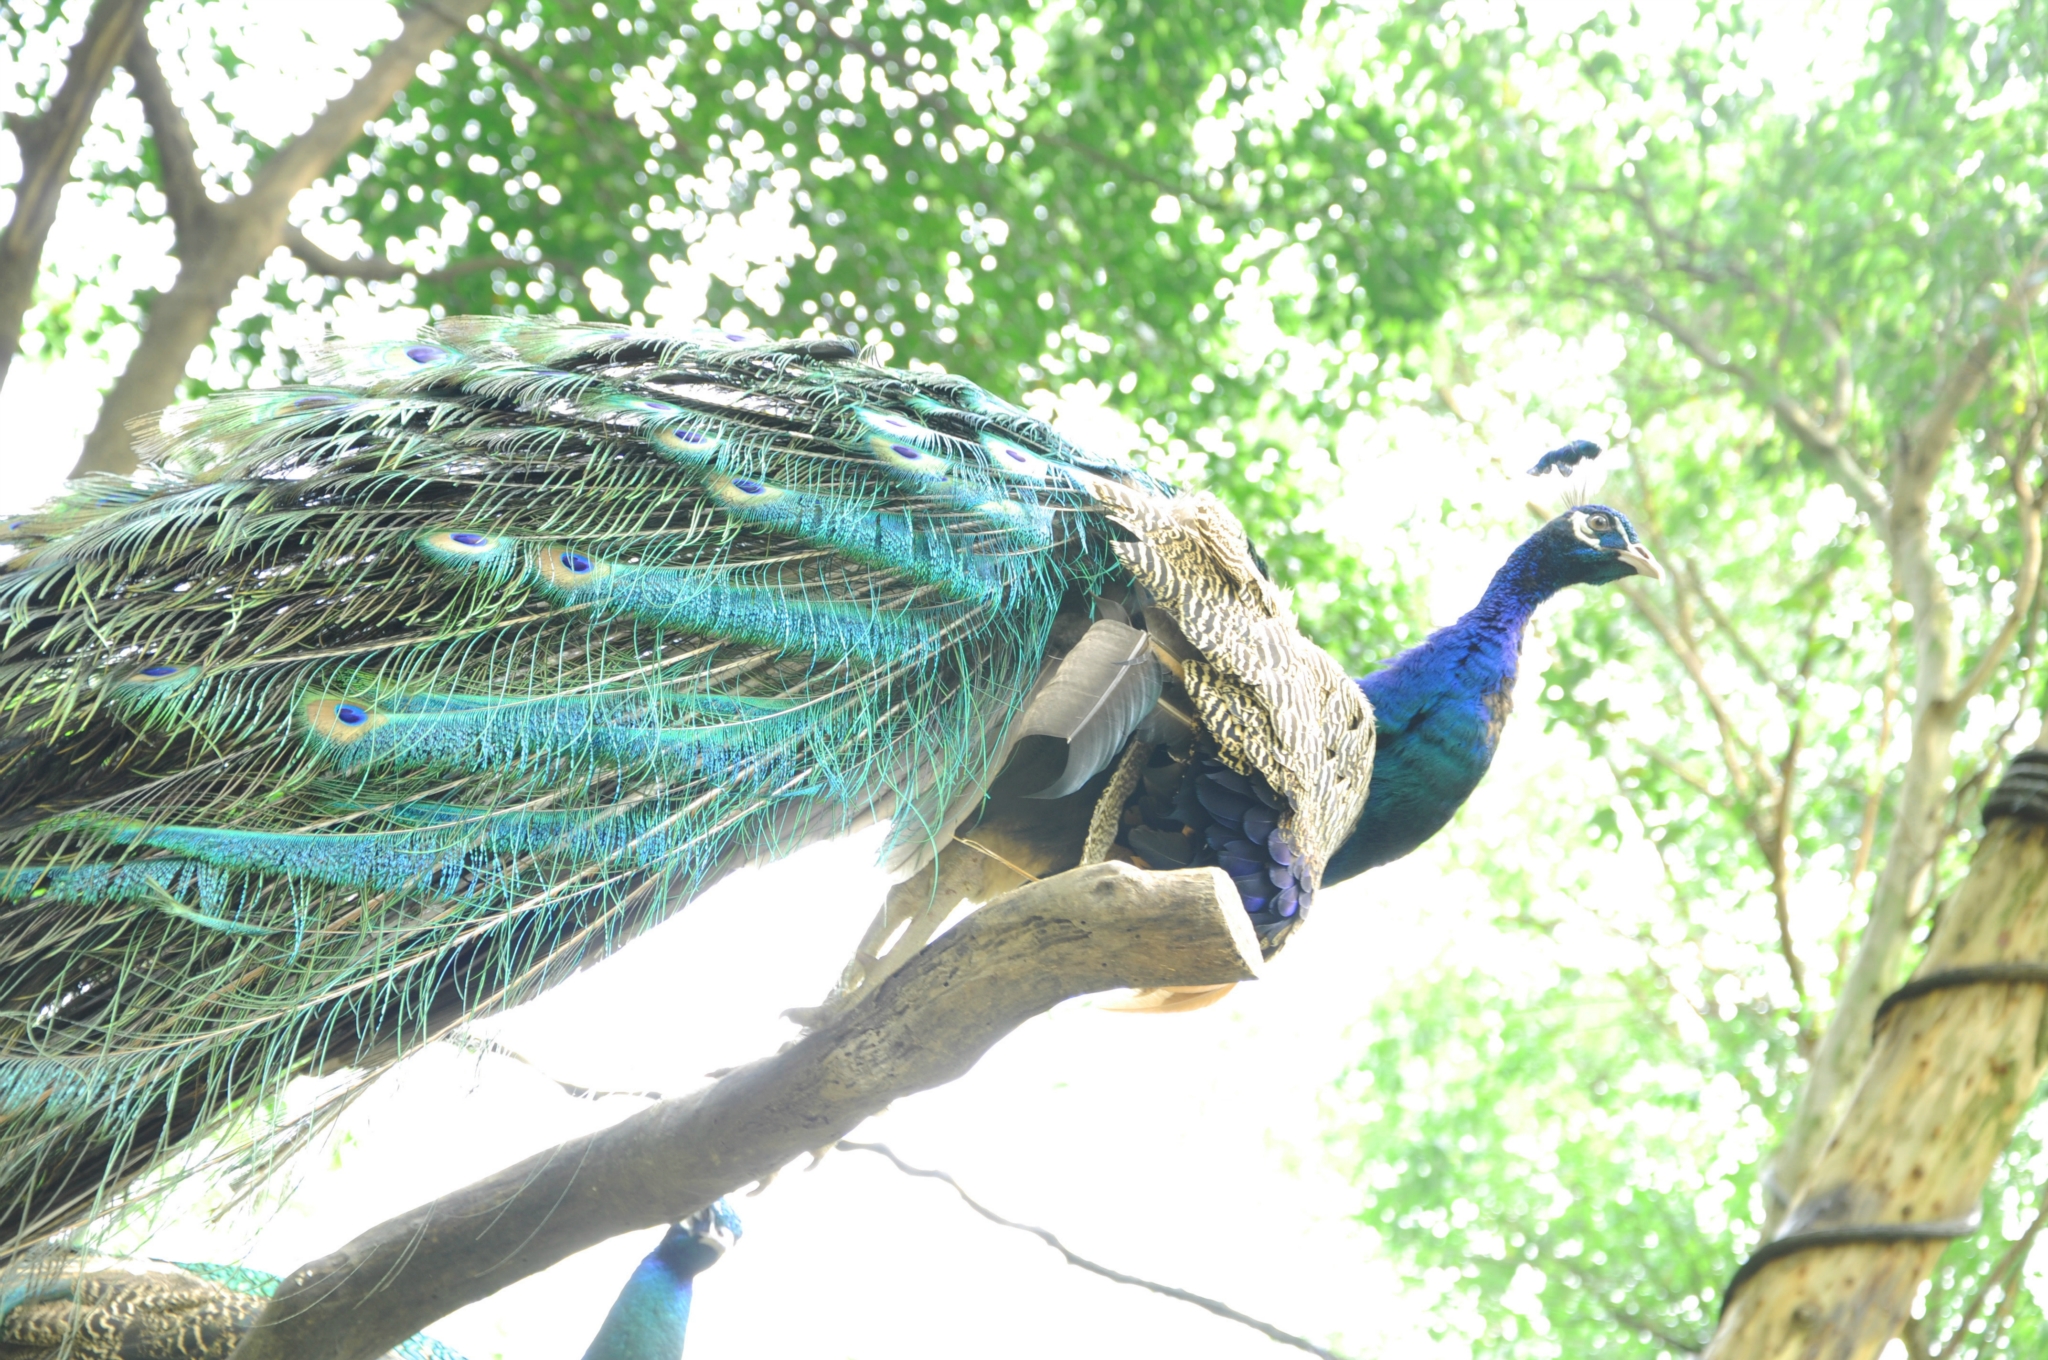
(178, 324)
(1947, 1081)
(49, 143)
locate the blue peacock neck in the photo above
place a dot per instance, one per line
(1491, 632)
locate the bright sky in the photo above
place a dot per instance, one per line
(1182, 1148)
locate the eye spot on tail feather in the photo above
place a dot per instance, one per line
(465, 545)
(340, 720)
(566, 568)
(907, 459)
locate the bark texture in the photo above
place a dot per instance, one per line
(49, 144)
(1088, 930)
(1948, 1079)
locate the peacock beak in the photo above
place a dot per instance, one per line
(1639, 560)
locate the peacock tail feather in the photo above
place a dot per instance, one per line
(378, 704)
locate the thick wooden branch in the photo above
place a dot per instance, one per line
(1088, 930)
(1947, 1080)
(49, 143)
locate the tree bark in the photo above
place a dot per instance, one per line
(221, 243)
(1087, 930)
(49, 144)
(1947, 1081)
(1914, 545)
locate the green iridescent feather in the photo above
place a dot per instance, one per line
(388, 701)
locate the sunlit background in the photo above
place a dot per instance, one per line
(1208, 1150)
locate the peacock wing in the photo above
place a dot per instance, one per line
(1291, 733)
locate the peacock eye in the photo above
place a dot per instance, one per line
(1600, 524)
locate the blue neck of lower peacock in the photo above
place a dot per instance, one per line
(650, 1317)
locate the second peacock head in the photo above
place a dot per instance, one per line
(1591, 544)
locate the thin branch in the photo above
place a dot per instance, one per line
(1792, 416)
(1693, 778)
(2009, 1263)
(2029, 501)
(48, 143)
(1697, 581)
(1873, 794)
(177, 153)
(1222, 1310)
(1781, 876)
(301, 160)
(377, 270)
(1733, 744)
(478, 1044)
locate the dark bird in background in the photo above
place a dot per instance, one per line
(60, 1306)
(1565, 460)
(394, 700)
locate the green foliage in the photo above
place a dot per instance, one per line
(1554, 1169)
(1790, 277)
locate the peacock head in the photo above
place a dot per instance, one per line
(696, 1244)
(1589, 545)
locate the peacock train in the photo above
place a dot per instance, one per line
(380, 703)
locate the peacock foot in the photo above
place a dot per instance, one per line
(910, 915)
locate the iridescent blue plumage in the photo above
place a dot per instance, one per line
(1440, 705)
(652, 1313)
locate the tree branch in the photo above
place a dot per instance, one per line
(2029, 580)
(1697, 581)
(1791, 415)
(377, 270)
(49, 143)
(427, 28)
(177, 154)
(1999, 1275)
(1733, 744)
(1087, 930)
(242, 232)
(1222, 1310)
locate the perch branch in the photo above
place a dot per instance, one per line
(1088, 930)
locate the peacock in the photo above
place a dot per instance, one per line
(648, 1320)
(66, 1306)
(386, 701)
